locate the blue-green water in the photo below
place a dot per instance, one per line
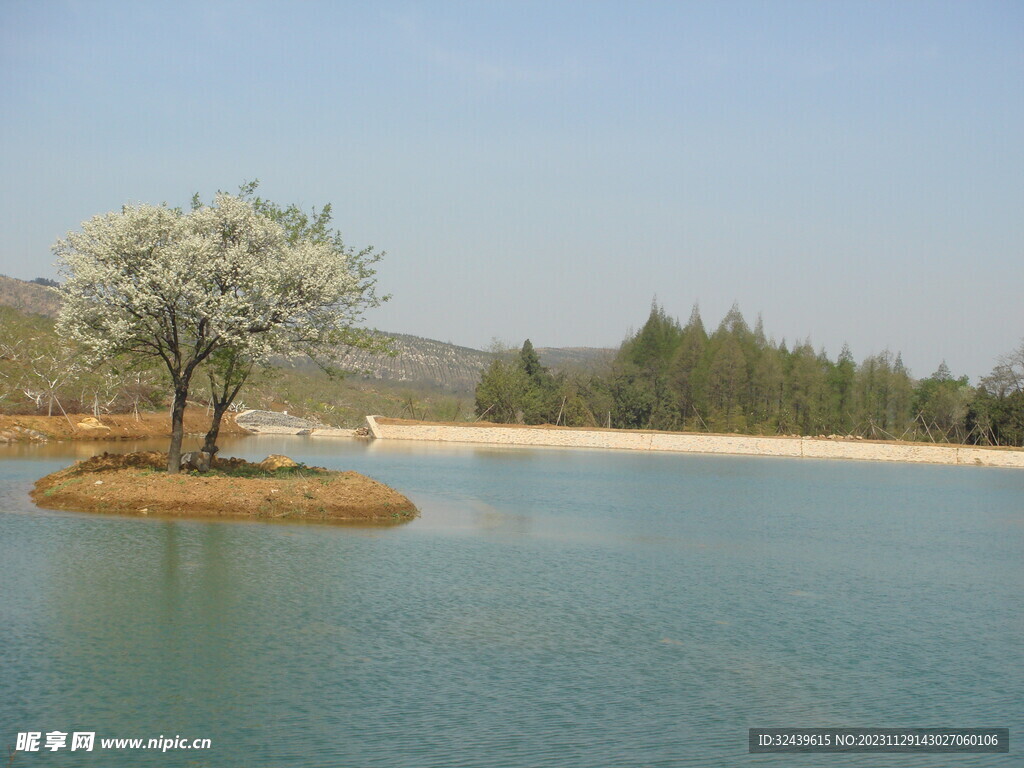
(550, 608)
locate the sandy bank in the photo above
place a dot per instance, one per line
(683, 442)
(123, 426)
(136, 484)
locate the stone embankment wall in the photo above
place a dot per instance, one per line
(745, 445)
(274, 423)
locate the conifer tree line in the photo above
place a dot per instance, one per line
(669, 376)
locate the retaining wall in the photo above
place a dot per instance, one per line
(744, 445)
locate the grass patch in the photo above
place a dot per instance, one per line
(61, 486)
(249, 471)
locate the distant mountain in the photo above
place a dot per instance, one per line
(585, 358)
(29, 297)
(421, 363)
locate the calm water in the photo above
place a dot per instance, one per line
(550, 608)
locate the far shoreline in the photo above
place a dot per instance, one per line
(124, 427)
(29, 428)
(789, 446)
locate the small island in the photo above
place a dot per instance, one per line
(275, 489)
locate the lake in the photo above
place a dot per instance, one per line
(551, 607)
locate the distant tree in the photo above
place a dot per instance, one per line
(768, 390)
(584, 400)
(727, 380)
(803, 388)
(501, 395)
(518, 389)
(542, 401)
(48, 365)
(734, 324)
(687, 372)
(640, 373)
(633, 395)
(154, 281)
(530, 361)
(652, 348)
(901, 396)
(1000, 400)
(1007, 376)
(841, 378)
(45, 281)
(941, 405)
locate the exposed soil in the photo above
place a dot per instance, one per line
(125, 426)
(138, 484)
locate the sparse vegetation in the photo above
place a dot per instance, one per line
(424, 379)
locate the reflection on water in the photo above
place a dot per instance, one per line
(550, 608)
(75, 450)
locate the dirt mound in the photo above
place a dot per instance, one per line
(137, 484)
(275, 461)
(112, 461)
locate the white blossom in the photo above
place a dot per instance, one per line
(157, 281)
(179, 286)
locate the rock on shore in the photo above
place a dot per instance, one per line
(272, 422)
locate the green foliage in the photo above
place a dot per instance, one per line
(739, 380)
(652, 348)
(517, 390)
(1003, 418)
(501, 394)
(997, 413)
(254, 471)
(942, 405)
(640, 378)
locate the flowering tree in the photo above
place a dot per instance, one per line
(158, 282)
(230, 367)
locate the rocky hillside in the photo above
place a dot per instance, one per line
(423, 363)
(434, 364)
(28, 297)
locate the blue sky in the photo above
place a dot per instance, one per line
(853, 171)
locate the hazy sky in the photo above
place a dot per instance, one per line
(853, 171)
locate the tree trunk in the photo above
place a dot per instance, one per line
(177, 430)
(210, 444)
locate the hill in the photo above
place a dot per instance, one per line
(566, 358)
(28, 297)
(418, 363)
(422, 363)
